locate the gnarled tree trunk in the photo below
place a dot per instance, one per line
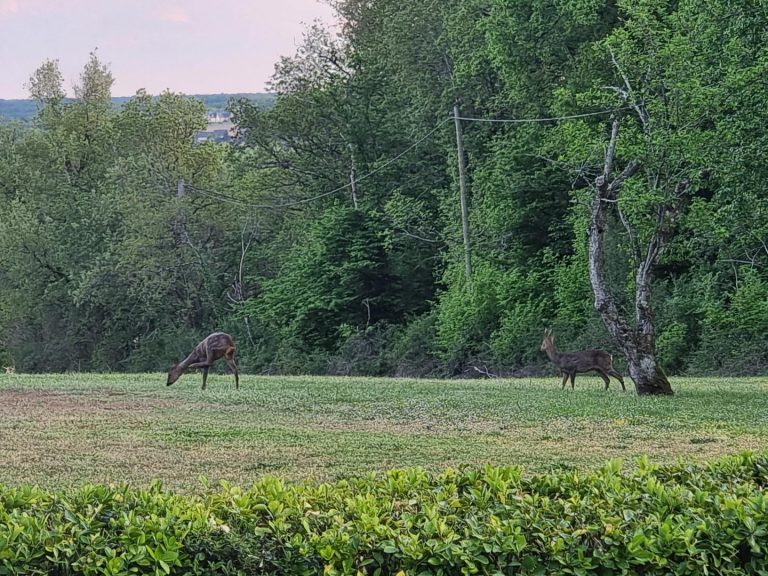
(647, 375)
(637, 341)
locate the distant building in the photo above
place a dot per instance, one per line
(218, 117)
(218, 136)
(219, 129)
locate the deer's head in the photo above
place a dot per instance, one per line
(549, 340)
(174, 374)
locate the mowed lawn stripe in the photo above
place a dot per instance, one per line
(58, 430)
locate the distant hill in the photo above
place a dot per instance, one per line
(17, 109)
(26, 109)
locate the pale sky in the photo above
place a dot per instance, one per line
(189, 46)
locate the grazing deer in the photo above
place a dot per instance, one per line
(570, 363)
(217, 345)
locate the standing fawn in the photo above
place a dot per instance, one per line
(217, 345)
(570, 363)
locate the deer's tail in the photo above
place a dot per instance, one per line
(229, 352)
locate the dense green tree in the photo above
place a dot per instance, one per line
(324, 145)
(657, 163)
(46, 85)
(329, 236)
(100, 256)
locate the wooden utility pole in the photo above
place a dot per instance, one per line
(463, 193)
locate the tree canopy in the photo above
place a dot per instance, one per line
(328, 237)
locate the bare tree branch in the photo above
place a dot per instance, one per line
(642, 114)
(630, 232)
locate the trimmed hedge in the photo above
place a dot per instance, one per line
(681, 519)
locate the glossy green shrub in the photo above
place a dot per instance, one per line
(681, 519)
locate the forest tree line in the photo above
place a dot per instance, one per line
(328, 238)
(26, 109)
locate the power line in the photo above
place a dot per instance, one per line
(532, 120)
(232, 200)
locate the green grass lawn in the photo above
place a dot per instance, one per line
(59, 430)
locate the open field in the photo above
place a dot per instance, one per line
(59, 430)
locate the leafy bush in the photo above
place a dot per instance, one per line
(517, 339)
(362, 351)
(500, 319)
(733, 339)
(95, 530)
(413, 350)
(338, 275)
(465, 320)
(680, 519)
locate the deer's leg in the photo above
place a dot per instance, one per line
(573, 380)
(229, 357)
(618, 377)
(605, 378)
(207, 363)
(565, 380)
(233, 366)
(205, 376)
